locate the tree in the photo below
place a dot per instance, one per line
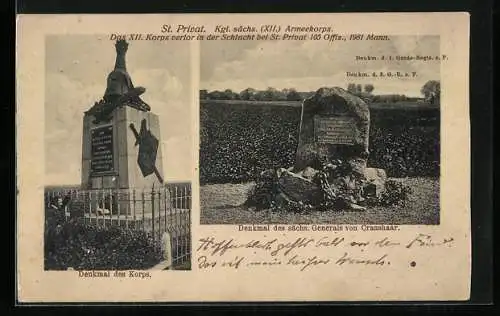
(247, 94)
(359, 88)
(271, 94)
(203, 94)
(216, 95)
(351, 88)
(279, 95)
(230, 95)
(431, 91)
(369, 88)
(259, 95)
(293, 95)
(306, 95)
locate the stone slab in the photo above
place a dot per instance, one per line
(298, 188)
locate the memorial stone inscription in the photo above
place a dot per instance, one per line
(334, 126)
(335, 130)
(102, 150)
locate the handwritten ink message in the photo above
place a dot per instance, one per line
(335, 250)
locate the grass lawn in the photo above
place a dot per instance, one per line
(222, 204)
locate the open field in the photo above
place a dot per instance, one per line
(406, 105)
(240, 139)
(222, 204)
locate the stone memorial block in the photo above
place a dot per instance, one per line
(334, 125)
(298, 188)
(375, 181)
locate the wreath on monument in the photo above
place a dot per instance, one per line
(339, 186)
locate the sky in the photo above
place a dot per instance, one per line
(309, 65)
(76, 68)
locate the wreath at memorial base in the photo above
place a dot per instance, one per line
(340, 189)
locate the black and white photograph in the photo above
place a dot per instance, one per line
(162, 154)
(307, 132)
(117, 138)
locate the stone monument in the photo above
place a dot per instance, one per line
(334, 125)
(121, 136)
(330, 169)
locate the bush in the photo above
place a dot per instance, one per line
(89, 247)
(238, 142)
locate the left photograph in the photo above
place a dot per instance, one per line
(118, 145)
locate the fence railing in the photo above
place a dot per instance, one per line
(154, 211)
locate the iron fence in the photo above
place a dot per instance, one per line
(154, 211)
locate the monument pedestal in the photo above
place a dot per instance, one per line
(121, 147)
(122, 156)
(112, 152)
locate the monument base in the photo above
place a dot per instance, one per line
(332, 187)
(122, 153)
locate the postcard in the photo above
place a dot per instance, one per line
(243, 157)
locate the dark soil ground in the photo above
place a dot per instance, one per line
(223, 204)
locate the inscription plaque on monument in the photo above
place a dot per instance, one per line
(335, 130)
(334, 125)
(102, 150)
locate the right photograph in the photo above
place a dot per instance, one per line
(318, 132)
